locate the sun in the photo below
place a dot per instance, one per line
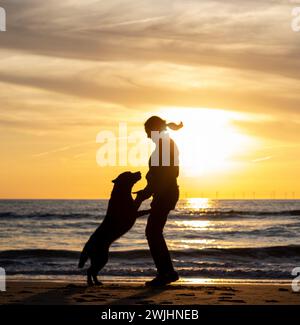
(209, 141)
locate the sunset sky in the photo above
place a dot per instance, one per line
(230, 70)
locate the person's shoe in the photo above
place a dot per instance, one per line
(162, 280)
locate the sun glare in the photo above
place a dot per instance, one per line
(209, 141)
(195, 204)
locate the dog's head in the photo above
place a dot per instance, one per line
(127, 179)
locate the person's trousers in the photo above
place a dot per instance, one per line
(157, 244)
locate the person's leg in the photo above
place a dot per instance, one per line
(157, 243)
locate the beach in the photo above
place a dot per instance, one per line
(226, 252)
(65, 293)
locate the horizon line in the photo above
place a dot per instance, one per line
(181, 198)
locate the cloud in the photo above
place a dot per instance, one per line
(62, 149)
(277, 130)
(69, 68)
(215, 54)
(262, 159)
(249, 36)
(134, 22)
(142, 93)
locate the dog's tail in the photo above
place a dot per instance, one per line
(83, 258)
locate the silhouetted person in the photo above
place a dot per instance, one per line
(162, 186)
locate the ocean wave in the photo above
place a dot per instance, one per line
(234, 214)
(178, 214)
(289, 251)
(48, 216)
(278, 231)
(240, 273)
(38, 253)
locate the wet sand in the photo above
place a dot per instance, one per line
(63, 293)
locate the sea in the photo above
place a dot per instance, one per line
(225, 240)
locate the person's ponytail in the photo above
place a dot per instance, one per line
(155, 123)
(174, 126)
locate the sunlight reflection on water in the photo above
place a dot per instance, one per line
(199, 204)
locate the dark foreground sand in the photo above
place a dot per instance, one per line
(49, 293)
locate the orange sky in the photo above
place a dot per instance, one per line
(229, 70)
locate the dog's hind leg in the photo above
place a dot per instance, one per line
(92, 279)
(93, 271)
(97, 264)
(103, 258)
(89, 277)
(96, 281)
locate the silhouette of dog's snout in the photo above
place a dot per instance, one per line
(138, 175)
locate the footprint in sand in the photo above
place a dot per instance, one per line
(229, 299)
(98, 300)
(146, 302)
(225, 299)
(81, 300)
(88, 296)
(72, 286)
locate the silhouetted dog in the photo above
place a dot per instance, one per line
(120, 217)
